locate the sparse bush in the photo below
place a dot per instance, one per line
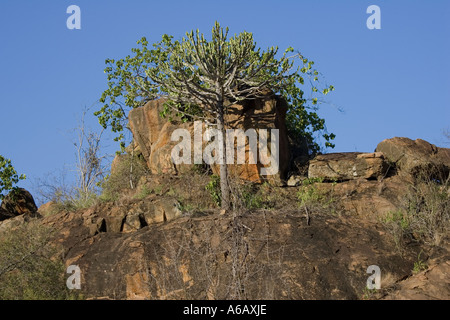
(312, 199)
(213, 187)
(425, 214)
(145, 191)
(219, 265)
(30, 267)
(130, 169)
(64, 195)
(398, 225)
(419, 265)
(252, 197)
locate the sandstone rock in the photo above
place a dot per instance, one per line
(368, 199)
(190, 257)
(153, 135)
(294, 181)
(162, 210)
(431, 284)
(114, 219)
(348, 166)
(118, 162)
(133, 222)
(412, 156)
(49, 208)
(17, 203)
(264, 113)
(11, 223)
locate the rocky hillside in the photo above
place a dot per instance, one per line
(309, 233)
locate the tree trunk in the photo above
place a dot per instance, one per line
(224, 186)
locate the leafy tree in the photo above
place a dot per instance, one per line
(8, 177)
(201, 79)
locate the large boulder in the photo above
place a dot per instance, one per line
(414, 156)
(152, 135)
(16, 203)
(348, 166)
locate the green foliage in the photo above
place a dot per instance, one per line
(312, 199)
(369, 294)
(30, 267)
(213, 187)
(194, 72)
(419, 265)
(144, 192)
(399, 218)
(129, 170)
(252, 197)
(425, 213)
(308, 196)
(309, 181)
(8, 177)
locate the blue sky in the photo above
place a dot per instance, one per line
(389, 82)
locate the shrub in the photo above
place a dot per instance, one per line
(425, 213)
(30, 267)
(130, 169)
(213, 187)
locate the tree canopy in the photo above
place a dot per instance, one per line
(202, 78)
(189, 71)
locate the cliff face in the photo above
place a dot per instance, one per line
(311, 239)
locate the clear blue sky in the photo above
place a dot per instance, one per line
(389, 82)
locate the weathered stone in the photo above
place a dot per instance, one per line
(162, 210)
(294, 181)
(118, 163)
(348, 166)
(430, 284)
(114, 219)
(49, 208)
(413, 156)
(16, 203)
(132, 222)
(153, 135)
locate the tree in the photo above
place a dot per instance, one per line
(201, 79)
(8, 177)
(89, 167)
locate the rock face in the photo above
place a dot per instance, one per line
(17, 203)
(149, 245)
(348, 166)
(152, 135)
(412, 156)
(193, 258)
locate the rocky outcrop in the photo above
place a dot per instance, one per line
(146, 244)
(152, 135)
(348, 166)
(414, 156)
(193, 258)
(17, 202)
